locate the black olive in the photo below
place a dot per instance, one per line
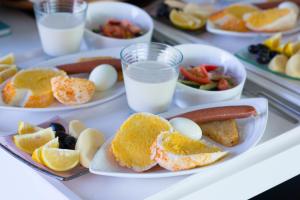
(61, 143)
(69, 142)
(253, 49)
(272, 54)
(262, 47)
(163, 10)
(263, 60)
(60, 134)
(57, 127)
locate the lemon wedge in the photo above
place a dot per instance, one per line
(36, 156)
(274, 41)
(291, 48)
(9, 59)
(25, 128)
(185, 20)
(7, 71)
(60, 159)
(29, 142)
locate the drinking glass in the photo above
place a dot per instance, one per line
(60, 24)
(150, 72)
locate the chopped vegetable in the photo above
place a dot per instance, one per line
(206, 77)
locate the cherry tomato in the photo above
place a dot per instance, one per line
(223, 84)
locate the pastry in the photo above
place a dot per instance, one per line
(271, 20)
(72, 91)
(131, 145)
(231, 17)
(174, 151)
(30, 88)
(224, 132)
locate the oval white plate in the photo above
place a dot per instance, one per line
(251, 130)
(99, 97)
(210, 27)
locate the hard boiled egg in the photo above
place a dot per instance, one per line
(104, 77)
(187, 127)
(290, 5)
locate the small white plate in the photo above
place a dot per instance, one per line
(210, 27)
(99, 97)
(251, 130)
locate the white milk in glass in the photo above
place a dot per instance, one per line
(150, 86)
(60, 33)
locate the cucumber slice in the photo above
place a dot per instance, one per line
(209, 86)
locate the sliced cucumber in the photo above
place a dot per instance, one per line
(209, 86)
(190, 83)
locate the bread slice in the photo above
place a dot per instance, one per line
(30, 88)
(131, 145)
(224, 132)
(271, 20)
(231, 17)
(175, 151)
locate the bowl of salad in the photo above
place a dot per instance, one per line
(115, 24)
(208, 74)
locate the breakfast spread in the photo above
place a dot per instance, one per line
(7, 67)
(145, 140)
(206, 77)
(121, 29)
(280, 57)
(55, 148)
(247, 18)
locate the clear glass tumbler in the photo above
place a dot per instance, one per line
(60, 24)
(150, 73)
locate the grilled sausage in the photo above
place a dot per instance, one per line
(88, 66)
(219, 113)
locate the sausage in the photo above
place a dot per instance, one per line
(219, 113)
(88, 66)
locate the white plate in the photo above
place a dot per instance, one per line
(251, 130)
(210, 27)
(99, 97)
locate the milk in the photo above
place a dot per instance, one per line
(149, 86)
(60, 33)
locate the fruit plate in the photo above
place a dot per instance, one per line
(251, 131)
(210, 27)
(249, 58)
(7, 143)
(99, 98)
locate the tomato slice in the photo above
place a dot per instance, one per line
(223, 84)
(192, 77)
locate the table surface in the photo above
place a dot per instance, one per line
(25, 43)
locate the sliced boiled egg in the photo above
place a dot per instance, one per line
(187, 127)
(104, 77)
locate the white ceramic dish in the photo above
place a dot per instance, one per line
(99, 12)
(210, 27)
(195, 54)
(99, 97)
(251, 130)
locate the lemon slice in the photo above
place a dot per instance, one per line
(36, 156)
(185, 20)
(60, 159)
(7, 71)
(29, 142)
(9, 59)
(274, 41)
(25, 128)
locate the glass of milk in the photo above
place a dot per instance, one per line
(61, 25)
(150, 73)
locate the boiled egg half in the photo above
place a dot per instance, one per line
(187, 127)
(104, 77)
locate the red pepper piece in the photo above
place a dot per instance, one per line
(188, 75)
(210, 67)
(223, 84)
